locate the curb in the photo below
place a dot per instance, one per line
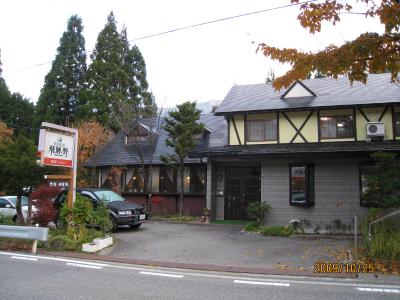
(201, 267)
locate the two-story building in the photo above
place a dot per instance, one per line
(305, 150)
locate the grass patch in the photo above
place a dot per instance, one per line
(277, 230)
(183, 218)
(252, 227)
(175, 218)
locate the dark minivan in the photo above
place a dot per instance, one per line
(121, 212)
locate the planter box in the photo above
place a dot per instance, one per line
(97, 245)
(108, 241)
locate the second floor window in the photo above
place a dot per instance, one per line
(336, 127)
(261, 130)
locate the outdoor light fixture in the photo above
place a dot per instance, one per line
(219, 177)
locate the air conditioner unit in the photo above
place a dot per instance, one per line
(375, 129)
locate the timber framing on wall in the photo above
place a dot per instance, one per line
(228, 121)
(355, 124)
(277, 127)
(236, 131)
(298, 130)
(363, 114)
(383, 113)
(393, 123)
(319, 126)
(245, 128)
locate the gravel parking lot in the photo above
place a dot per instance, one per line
(223, 245)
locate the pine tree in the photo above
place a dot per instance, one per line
(4, 92)
(182, 127)
(117, 74)
(59, 98)
(15, 110)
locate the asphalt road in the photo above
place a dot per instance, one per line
(45, 277)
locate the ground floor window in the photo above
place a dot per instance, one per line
(161, 179)
(301, 184)
(167, 180)
(194, 178)
(134, 180)
(197, 180)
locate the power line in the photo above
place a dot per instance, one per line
(183, 28)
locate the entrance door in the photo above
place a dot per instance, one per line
(242, 186)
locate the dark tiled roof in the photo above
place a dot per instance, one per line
(329, 93)
(299, 148)
(116, 153)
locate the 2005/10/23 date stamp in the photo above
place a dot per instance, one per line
(328, 267)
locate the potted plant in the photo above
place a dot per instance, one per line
(256, 209)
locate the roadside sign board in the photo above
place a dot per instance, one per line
(58, 146)
(58, 149)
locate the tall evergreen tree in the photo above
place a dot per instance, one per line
(59, 97)
(182, 127)
(117, 74)
(18, 113)
(15, 110)
(4, 91)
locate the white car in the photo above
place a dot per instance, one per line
(8, 203)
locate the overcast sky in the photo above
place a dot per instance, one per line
(196, 64)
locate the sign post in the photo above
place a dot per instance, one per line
(58, 146)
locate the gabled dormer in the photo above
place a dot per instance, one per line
(298, 90)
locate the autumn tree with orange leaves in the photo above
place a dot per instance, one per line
(92, 136)
(5, 132)
(369, 53)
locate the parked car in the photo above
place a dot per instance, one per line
(8, 206)
(122, 212)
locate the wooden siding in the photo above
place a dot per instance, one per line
(336, 193)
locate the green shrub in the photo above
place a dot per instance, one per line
(277, 230)
(6, 220)
(82, 215)
(252, 226)
(62, 242)
(256, 209)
